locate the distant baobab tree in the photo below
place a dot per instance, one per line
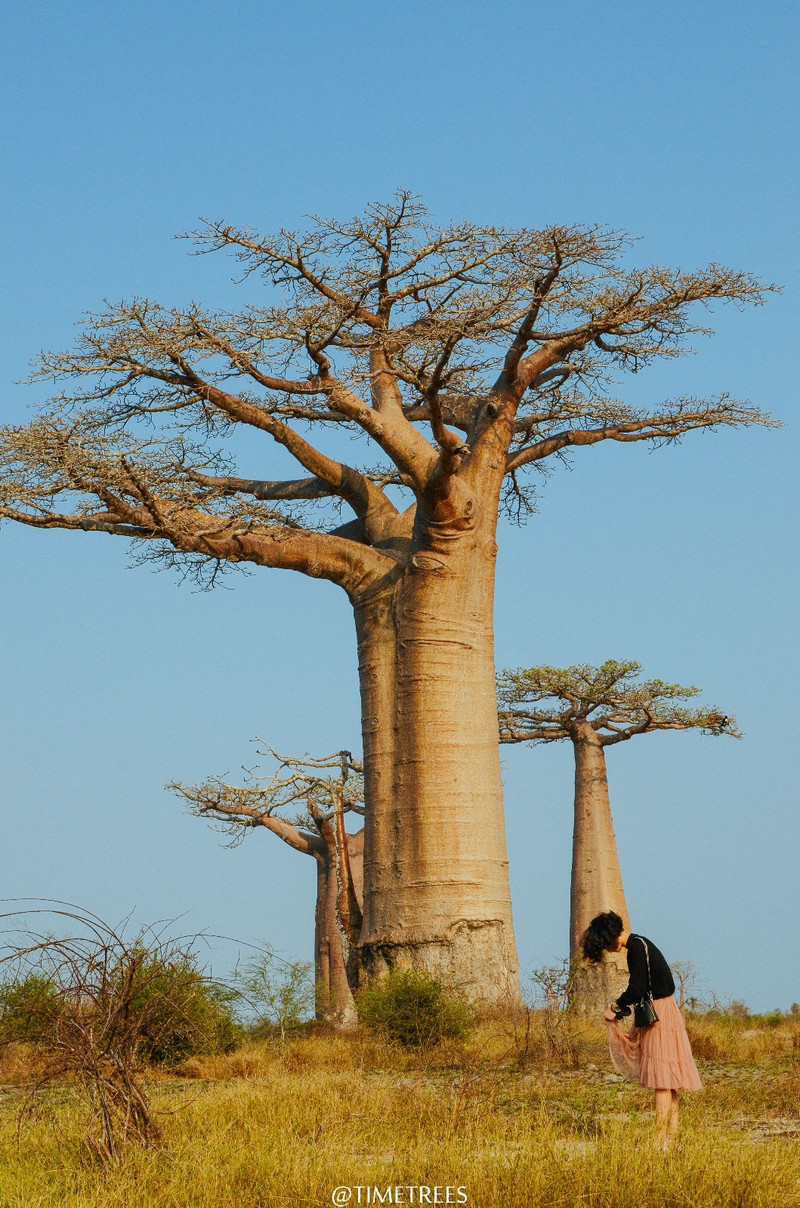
(457, 358)
(595, 708)
(304, 802)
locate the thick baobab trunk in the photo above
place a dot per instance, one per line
(334, 992)
(436, 890)
(596, 877)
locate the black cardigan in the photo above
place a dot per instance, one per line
(661, 980)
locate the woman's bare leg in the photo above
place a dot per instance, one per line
(666, 1116)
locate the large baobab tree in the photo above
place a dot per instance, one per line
(304, 801)
(462, 357)
(595, 708)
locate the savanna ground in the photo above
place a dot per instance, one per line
(515, 1116)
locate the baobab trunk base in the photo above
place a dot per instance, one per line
(473, 959)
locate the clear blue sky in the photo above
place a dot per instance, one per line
(122, 125)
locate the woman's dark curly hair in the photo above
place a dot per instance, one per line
(601, 936)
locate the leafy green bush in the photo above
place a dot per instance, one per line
(182, 1013)
(27, 1004)
(171, 1010)
(414, 1009)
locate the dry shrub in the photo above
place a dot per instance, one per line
(94, 1009)
(549, 1038)
(551, 1032)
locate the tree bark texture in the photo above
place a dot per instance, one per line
(334, 992)
(596, 876)
(436, 890)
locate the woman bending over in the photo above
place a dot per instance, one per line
(659, 1056)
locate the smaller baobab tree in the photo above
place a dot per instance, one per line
(595, 708)
(304, 802)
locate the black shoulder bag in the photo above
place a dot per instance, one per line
(644, 1013)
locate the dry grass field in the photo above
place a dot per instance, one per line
(512, 1118)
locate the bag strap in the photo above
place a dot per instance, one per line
(647, 958)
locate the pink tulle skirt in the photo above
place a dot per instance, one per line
(659, 1057)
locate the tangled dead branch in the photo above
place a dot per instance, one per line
(97, 1007)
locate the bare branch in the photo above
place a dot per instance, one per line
(300, 488)
(283, 799)
(679, 417)
(541, 289)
